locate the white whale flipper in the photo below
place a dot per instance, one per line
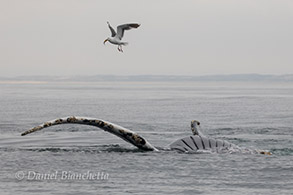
(117, 130)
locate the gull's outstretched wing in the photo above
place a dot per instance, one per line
(123, 27)
(113, 33)
(117, 130)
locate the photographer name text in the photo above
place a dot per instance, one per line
(61, 175)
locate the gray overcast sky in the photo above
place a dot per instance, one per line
(179, 37)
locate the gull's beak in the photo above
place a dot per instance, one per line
(105, 41)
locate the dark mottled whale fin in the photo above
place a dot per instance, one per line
(117, 130)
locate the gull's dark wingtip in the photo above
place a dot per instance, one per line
(134, 25)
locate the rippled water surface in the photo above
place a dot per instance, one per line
(77, 159)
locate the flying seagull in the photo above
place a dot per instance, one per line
(117, 37)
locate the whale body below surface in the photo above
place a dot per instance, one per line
(194, 143)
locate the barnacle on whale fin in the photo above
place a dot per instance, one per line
(58, 121)
(71, 119)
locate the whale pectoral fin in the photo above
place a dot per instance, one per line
(125, 134)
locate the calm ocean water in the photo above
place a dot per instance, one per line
(77, 159)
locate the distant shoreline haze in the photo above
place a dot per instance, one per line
(144, 78)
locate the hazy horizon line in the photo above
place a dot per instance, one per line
(152, 77)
